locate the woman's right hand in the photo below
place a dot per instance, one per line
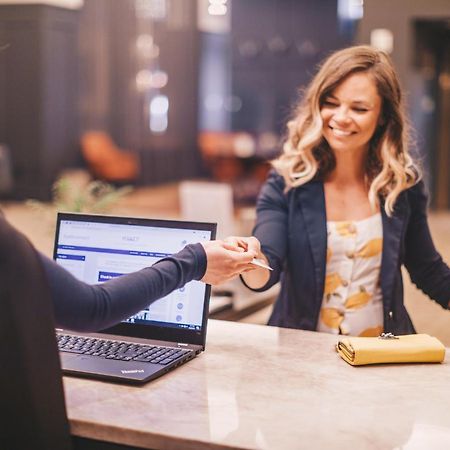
(247, 244)
(226, 260)
(258, 277)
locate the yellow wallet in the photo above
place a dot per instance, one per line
(410, 348)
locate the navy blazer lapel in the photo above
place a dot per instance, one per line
(312, 204)
(392, 236)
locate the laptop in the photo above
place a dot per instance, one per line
(169, 332)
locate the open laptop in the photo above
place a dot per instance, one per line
(171, 331)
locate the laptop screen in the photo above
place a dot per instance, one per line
(98, 248)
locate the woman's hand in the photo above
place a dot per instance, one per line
(245, 244)
(228, 258)
(259, 276)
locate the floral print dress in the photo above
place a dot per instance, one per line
(352, 301)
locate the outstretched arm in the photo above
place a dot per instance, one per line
(84, 307)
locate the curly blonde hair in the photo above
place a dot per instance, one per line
(306, 154)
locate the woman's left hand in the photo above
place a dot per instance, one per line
(245, 244)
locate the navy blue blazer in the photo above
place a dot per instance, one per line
(293, 234)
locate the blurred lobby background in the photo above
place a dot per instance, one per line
(186, 101)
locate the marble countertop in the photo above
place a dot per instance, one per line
(269, 388)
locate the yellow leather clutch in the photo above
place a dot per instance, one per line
(411, 348)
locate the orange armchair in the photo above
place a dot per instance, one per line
(106, 161)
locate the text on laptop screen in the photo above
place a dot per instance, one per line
(95, 252)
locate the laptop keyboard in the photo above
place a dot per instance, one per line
(123, 351)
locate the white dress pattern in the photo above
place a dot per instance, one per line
(352, 301)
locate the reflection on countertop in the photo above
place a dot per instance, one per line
(265, 387)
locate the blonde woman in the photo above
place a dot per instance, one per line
(344, 207)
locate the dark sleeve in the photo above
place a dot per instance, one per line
(271, 226)
(83, 307)
(425, 265)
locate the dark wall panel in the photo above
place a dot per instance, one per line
(38, 92)
(276, 48)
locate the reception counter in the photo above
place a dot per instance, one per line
(269, 388)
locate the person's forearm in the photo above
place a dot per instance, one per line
(83, 307)
(257, 278)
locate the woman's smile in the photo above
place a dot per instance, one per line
(341, 133)
(351, 113)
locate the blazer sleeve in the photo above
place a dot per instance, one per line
(271, 226)
(84, 307)
(425, 265)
